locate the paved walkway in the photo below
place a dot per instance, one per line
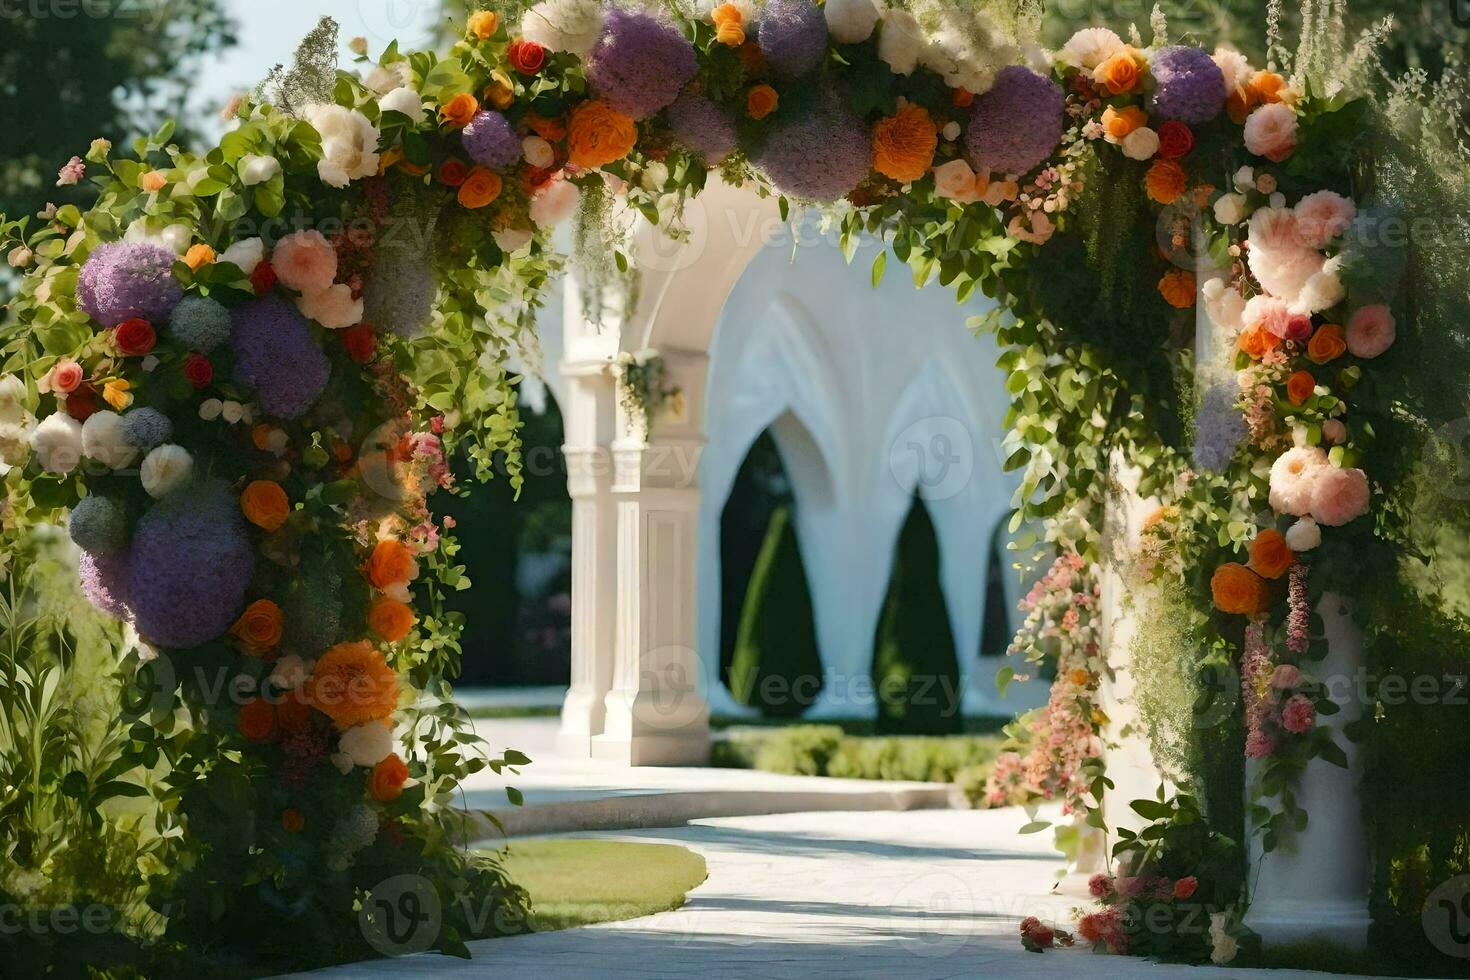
(918, 895)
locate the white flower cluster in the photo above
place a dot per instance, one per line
(16, 423)
(349, 144)
(563, 25)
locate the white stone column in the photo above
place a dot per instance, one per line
(655, 712)
(1315, 884)
(589, 419)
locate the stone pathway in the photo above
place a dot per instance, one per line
(917, 895)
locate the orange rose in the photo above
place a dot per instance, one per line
(904, 143)
(1327, 344)
(292, 821)
(352, 684)
(153, 181)
(265, 504)
(391, 563)
(386, 783)
(199, 256)
(1270, 557)
(499, 92)
(390, 619)
(761, 101)
(1078, 676)
(1118, 123)
(1238, 106)
(1267, 87)
(1177, 288)
(961, 98)
(482, 24)
(479, 188)
(1256, 341)
(1299, 387)
(1119, 74)
(598, 134)
(1237, 589)
(1166, 181)
(551, 129)
(729, 25)
(259, 626)
(459, 110)
(257, 719)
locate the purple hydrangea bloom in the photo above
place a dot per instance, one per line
(122, 280)
(276, 355)
(821, 155)
(639, 63)
(490, 141)
(104, 582)
(1017, 124)
(1219, 428)
(702, 126)
(1189, 85)
(792, 34)
(189, 566)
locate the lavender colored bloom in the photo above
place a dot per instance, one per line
(702, 126)
(276, 355)
(639, 63)
(200, 323)
(1015, 125)
(189, 566)
(98, 525)
(104, 581)
(822, 155)
(490, 141)
(1219, 428)
(122, 280)
(792, 34)
(145, 428)
(1189, 85)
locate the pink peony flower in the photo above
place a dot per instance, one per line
(1293, 478)
(1323, 216)
(956, 182)
(1277, 318)
(1279, 259)
(1371, 331)
(72, 173)
(333, 307)
(1334, 431)
(1285, 677)
(305, 261)
(1339, 495)
(1270, 131)
(1100, 885)
(1299, 714)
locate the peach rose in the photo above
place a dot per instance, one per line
(1236, 589)
(1339, 495)
(305, 261)
(391, 563)
(333, 307)
(64, 376)
(1270, 132)
(386, 782)
(265, 505)
(390, 619)
(480, 188)
(153, 181)
(259, 626)
(1327, 344)
(1119, 74)
(761, 101)
(1270, 557)
(482, 24)
(199, 256)
(1165, 181)
(1323, 216)
(1293, 476)
(1118, 123)
(1371, 331)
(1299, 387)
(554, 203)
(598, 134)
(459, 110)
(955, 181)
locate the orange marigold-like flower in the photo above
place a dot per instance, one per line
(459, 110)
(1270, 557)
(1078, 676)
(1177, 288)
(265, 504)
(386, 782)
(390, 619)
(1256, 342)
(480, 187)
(904, 143)
(390, 563)
(259, 626)
(199, 256)
(761, 101)
(729, 25)
(1166, 181)
(598, 134)
(1327, 344)
(352, 684)
(1237, 589)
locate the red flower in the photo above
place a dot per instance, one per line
(526, 57)
(453, 172)
(1175, 139)
(360, 342)
(263, 279)
(198, 370)
(1185, 887)
(80, 404)
(257, 719)
(1034, 933)
(134, 337)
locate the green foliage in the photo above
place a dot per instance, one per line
(915, 671)
(824, 750)
(776, 666)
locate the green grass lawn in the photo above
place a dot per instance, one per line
(579, 882)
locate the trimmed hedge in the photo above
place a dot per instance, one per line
(825, 750)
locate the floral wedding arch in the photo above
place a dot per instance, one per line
(243, 372)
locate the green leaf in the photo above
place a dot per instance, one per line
(879, 264)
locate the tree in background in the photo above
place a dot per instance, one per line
(68, 76)
(915, 670)
(775, 665)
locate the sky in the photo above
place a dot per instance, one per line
(269, 30)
